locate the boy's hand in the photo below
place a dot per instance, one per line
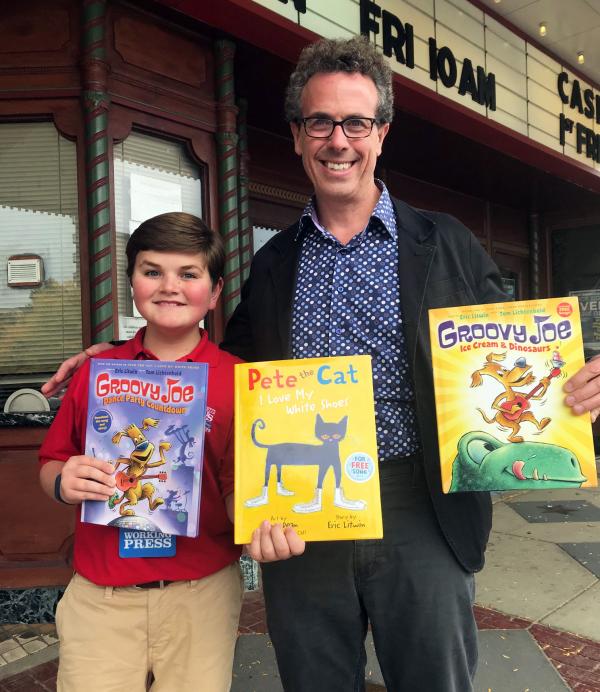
(86, 478)
(66, 370)
(583, 389)
(270, 543)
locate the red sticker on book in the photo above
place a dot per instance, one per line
(564, 309)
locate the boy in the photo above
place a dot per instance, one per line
(176, 617)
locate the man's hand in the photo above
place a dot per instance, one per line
(86, 478)
(62, 376)
(270, 543)
(583, 389)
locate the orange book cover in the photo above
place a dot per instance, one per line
(498, 372)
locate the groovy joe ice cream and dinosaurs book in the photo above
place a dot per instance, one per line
(498, 374)
(305, 448)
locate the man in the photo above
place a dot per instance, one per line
(357, 274)
(310, 293)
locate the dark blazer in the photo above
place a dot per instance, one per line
(441, 264)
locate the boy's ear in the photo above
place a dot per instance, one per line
(216, 292)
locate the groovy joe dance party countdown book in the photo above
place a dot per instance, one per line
(147, 418)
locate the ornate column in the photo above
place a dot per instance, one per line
(244, 217)
(95, 109)
(227, 141)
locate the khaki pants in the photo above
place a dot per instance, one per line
(184, 633)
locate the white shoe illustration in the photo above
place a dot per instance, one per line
(262, 499)
(340, 501)
(313, 506)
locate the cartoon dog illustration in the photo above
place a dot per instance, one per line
(512, 408)
(129, 482)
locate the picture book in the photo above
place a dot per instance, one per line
(147, 418)
(305, 448)
(502, 423)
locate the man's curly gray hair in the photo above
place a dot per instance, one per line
(341, 55)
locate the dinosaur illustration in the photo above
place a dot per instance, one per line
(485, 463)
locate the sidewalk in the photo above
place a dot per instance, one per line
(542, 570)
(538, 609)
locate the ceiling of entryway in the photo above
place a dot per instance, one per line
(572, 27)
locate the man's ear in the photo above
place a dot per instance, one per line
(216, 292)
(382, 131)
(296, 134)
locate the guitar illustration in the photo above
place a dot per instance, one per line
(513, 408)
(126, 481)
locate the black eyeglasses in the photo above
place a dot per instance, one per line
(353, 128)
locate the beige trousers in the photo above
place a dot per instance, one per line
(184, 634)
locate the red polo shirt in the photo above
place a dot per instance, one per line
(96, 552)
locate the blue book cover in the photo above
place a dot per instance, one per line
(147, 418)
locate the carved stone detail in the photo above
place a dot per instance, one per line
(273, 192)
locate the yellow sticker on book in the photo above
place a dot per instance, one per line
(305, 448)
(498, 373)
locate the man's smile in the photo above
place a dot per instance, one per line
(338, 165)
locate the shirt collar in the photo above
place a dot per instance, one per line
(200, 353)
(383, 212)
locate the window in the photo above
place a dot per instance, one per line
(260, 236)
(576, 272)
(152, 176)
(40, 299)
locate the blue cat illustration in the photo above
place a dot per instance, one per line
(325, 455)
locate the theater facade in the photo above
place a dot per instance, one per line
(113, 111)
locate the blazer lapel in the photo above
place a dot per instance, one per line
(414, 263)
(283, 277)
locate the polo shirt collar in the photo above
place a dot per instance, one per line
(204, 352)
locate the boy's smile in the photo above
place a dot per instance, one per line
(173, 291)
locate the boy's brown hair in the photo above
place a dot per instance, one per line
(178, 231)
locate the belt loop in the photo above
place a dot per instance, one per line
(193, 584)
(108, 592)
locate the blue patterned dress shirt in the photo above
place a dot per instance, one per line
(346, 302)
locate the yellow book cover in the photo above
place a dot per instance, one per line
(305, 448)
(502, 423)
